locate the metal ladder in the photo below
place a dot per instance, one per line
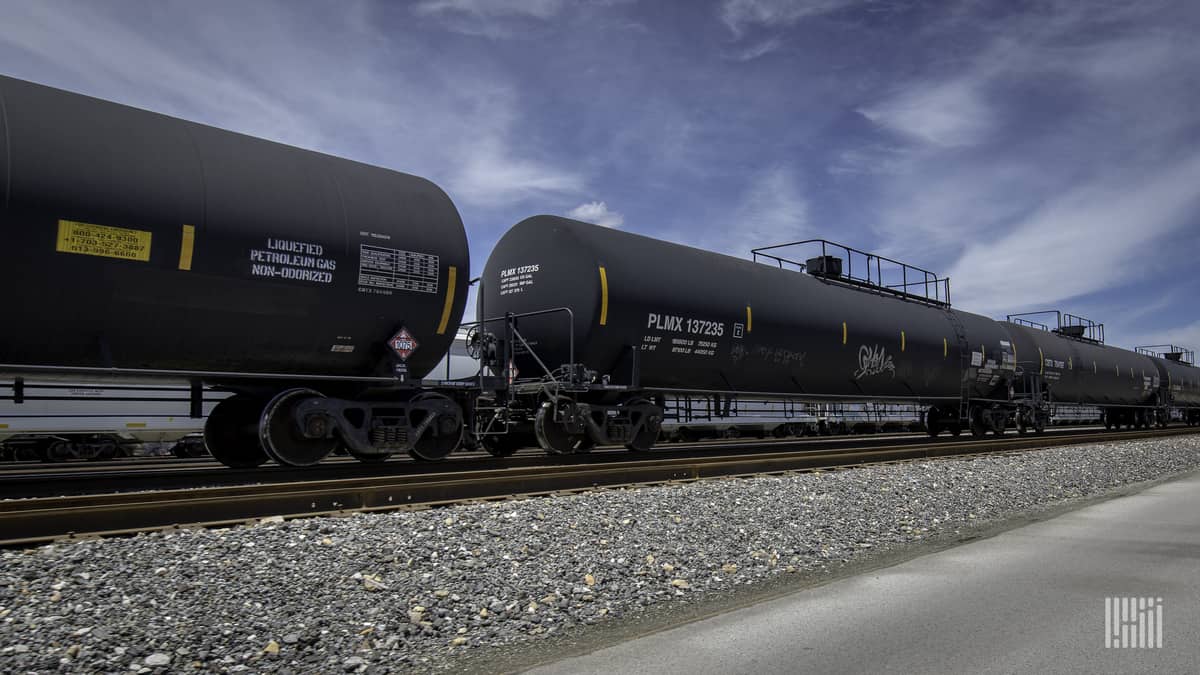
(964, 395)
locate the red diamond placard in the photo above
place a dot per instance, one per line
(403, 343)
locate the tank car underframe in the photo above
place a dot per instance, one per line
(1135, 417)
(568, 411)
(565, 408)
(299, 420)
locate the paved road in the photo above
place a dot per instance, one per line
(1031, 600)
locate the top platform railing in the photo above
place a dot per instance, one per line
(1169, 352)
(1065, 324)
(862, 269)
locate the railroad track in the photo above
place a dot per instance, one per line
(29, 521)
(56, 480)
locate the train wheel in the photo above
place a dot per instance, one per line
(283, 440)
(501, 445)
(231, 433)
(552, 436)
(104, 451)
(642, 413)
(443, 433)
(57, 451)
(933, 423)
(999, 425)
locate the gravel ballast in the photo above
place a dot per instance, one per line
(424, 589)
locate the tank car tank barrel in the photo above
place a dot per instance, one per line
(147, 243)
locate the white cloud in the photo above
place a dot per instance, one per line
(1061, 209)
(741, 14)
(1185, 335)
(597, 213)
(1085, 241)
(754, 51)
(538, 9)
(947, 114)
(458, 131)
(774, 206)
(772, 210)
(876, 158)
(496, 19)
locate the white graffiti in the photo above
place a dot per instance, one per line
(874, 362)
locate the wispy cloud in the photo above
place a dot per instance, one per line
(460, 131)
(598, 213)
(1035, 170)
(495, 19)
(876, 158)
(505, 18)
(739, 15)
(1069, 248)
(772, 209)
(756, 50)
(492, 175)
(947, 114)
(1185, 335)
(539, 9)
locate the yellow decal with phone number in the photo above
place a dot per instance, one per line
(103, 240)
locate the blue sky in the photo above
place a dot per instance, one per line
(1043, 154)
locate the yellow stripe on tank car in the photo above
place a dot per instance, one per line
(451, 285)
(603, 297)
(135, 425)
(945, 348)
(903, 341)
(749, 319)
(1042, 359)
(186, 244)
(845, 334)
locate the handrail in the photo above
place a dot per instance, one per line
(1169, 352)
(1091, 331)
(936, 289)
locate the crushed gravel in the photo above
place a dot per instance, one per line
(420, 590)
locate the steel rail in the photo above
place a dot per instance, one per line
(59, 480)
(30, 521)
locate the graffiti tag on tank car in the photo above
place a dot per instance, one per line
(517, 279)
(292, 260)
(874, 361)
(781, 356)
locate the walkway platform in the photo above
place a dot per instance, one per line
(1030, 600)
